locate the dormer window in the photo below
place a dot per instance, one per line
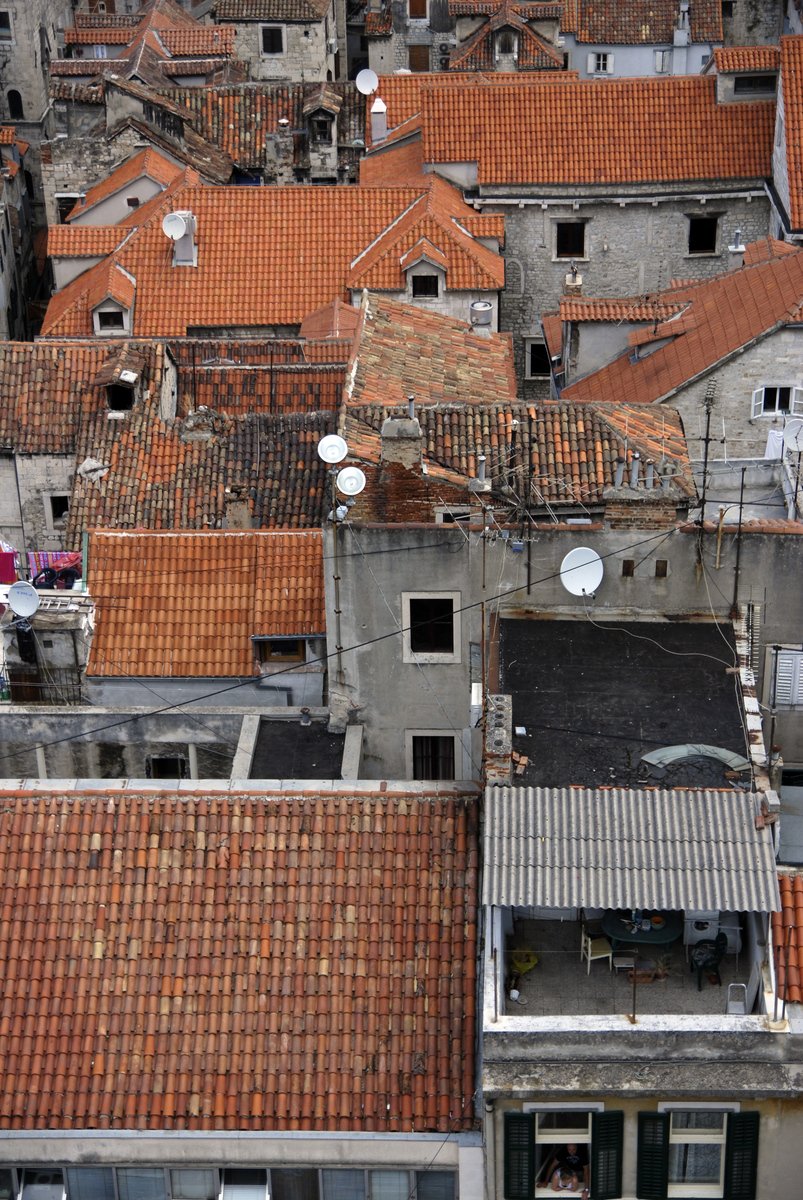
(506, 42)
(110, 319)
(754, 85)
(425, 287)
(119, 397)
(322, 130)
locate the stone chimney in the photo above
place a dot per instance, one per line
(401, 441)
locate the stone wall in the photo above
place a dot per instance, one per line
(306, 57)
(41, 477)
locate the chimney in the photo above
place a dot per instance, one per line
(634, 469)
(573, 283)
(379, 120)
(480, 484)
(619, 475)
(481, 315)
(401, 441)
(736, 251)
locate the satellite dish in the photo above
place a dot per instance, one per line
(332, 448)
(174, 226)
(581, 571)
(793, 436)
(23, 599)
(350, 481)
(367, 81)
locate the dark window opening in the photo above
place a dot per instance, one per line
(280, 650)
(570, 239)
(15, 109)
(5, 26)
(753, 83)
(272, 40)
(59, 507)
(703, 235)
(661, 568)
(727, 9)
(537, 359)
(432, 625)
(110, 319)
(776, 399)
(119, 397)
(505, 42)
(167, 766)
(433, 757)
(293, 1183)
(132, 201)
(628, 568)
(425, 285)
(322, 129)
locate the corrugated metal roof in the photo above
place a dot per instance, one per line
(626, 848)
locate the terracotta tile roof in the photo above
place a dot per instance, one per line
(767, 248)
(104, 35)
(397, 166)
(7, 135)
(591, 132)
(554, 454)
(48, 389)
(148, 163)
(244, 119)
(486, 8)
(198, 43)
(335, 320)
(640, 21)
(63, 67)
(789, 972)
(96, 20)
(747, 58)
(720, 317)
(379, 24)
(149, 899)
(84, 241)
(305, 240)
(241, 389)
(632, 308)
(792, 90)
(78, 93)
(402, 350)
(270, 584)
(271, 10)
(402, 93)
(478, 52)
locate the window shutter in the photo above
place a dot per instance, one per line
(652, 1174)
(519, 1156)
(609, 64)
(741, 1156)
(787, 679)
(606, 1155)
(797, 400)
(591, 63)
(758, 402)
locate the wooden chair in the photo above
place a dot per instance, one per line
(594, 947)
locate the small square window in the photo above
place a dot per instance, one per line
(417, 9)
(59, 507)
(661, 568)
(703, 235)
(110, 319)
(628, 568)
(132, 201)
(425, 286)
(270, 650)
(431, 627)
(663, 61)
(538, 364)
(433, 756)
(600, 64)
(727, 9)
(570, 239)
(322, 130)
(119, 397)
(163, 766)
(272, 39)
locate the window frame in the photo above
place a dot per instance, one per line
(424, 50)
(708, 218)
(56, 524)
(600, 62)
(557, 223)
(107, 329)
(274, 28)
(9, 39)
(429, 277)
(663, 62)
(418, 4)
(411, 736)
(694, 1189)
(280, 650)
(433, 657)
(759, 409)
(792, 669)
(529, 343)
(605, 1144)
(548, 1138)
(184, 764)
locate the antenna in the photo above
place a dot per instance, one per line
(23, 598)
(174, 226)
(792, 436)
(581, 571)
(350, 481)
(367, 81)
(332, 449)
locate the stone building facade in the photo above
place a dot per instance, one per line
(287, 40)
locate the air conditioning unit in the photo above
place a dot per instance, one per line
(445, 62)
(443, 48)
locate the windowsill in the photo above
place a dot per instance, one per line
(574, 258)
(703, 254)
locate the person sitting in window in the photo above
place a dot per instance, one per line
(572, 1158)
(565, 1181)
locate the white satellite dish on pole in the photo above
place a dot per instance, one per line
(174, 226)
(332, 449)
(581, 571)
(367, 81)
(350, 481)
(793, 436)
(23, 598)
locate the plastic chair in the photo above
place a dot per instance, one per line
(706, 956)
(594, 947)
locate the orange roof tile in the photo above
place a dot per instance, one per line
(478, 52)
(591, 132)
(402, 350)
(634, 308)
(335, 320)
(7, 135)
(304, 243)
(198, 43)
(787, 938)
(640, 21)
(214, 591)
(747, 58)
(767, 248)
(402, 93)
(84, 241)
(720, 316)
(792, 94)
(149, 163)
(235, 915)
(102, 35)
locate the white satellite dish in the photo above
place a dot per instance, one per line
(350, 481)
(581, 571)
(793, 436)
(174, 226)
(367, 81)
(23, 598)
(332, 448)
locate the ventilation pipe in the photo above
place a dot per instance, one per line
(619, 475)
(634, 469)
(379, 120)
(411, 408)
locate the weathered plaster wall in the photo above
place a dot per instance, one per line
(40, 477)
(306, 57)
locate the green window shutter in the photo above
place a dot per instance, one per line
(741, 1156)
(652, 1174)
(519, 1156)
(606, 1155)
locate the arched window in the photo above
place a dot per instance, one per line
(15, 110)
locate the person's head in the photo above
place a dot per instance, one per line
(567, 1178)
(571, 1147)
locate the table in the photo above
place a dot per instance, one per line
(616, 927)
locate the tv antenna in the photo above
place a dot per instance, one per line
(581, 571)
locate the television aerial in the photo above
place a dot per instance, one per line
(581, 571)
(332, 449)
(367, 81)
(793, 436)
(23, 599)
(350, 481)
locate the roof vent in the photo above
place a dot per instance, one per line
(481, 315)
(179, 228)
(379, 120)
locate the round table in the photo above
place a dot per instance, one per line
(617, 928)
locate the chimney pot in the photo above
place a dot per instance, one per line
(634, 469)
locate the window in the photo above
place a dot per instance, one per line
(433, 756)
(600, 63)
(751, 84)
(727, 9)
(322, 130)
(272, 39)
(628, 568)
(280, 649)
(537, 365)
(59, 507)
(788, 679)
(6, 32)
(90, 1183)
(425, 287)
(132, 201)
(148, 1183)
(417, 9)
(570, 239)
(661, 568)
(703, 235)
(119, 397)
(418, 58)
(663, 62)
(506, 42)
(431, 627)
(244, 1183)
(110, 319)
(777, 400)
(191, 1183)
(706, 1151)
(15, 109)
(99, 51)
(536, 1143)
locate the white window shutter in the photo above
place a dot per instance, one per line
(591, 63)
(797, 400)
(788, 677)
(758, 402)
(609, 67)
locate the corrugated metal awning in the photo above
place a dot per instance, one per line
(627, 848)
